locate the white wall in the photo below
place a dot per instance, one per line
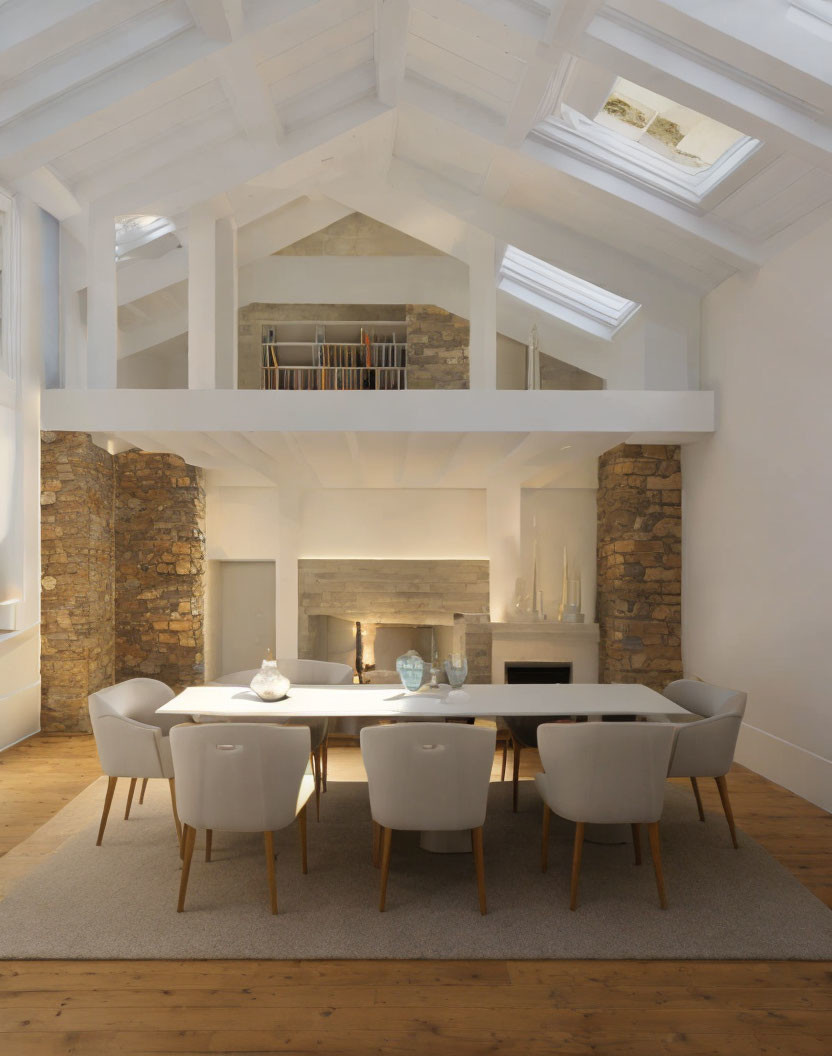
(566, 517)
(31, 329)
(758, 508)
(403, 523)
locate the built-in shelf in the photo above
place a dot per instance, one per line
(358, 355)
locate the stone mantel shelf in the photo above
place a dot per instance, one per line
(545, 629)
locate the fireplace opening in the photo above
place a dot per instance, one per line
(550, 673)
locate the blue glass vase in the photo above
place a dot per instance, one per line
(411, 668)
(456, 668)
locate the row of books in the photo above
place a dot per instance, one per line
(367, 355)
(337, 378)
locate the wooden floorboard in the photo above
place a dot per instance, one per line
(410, 1008)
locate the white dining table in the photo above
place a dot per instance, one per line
(591, 700)
(393, 702)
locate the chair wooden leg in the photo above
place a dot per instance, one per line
(108, 799)
(130, 792)
(386, 840)
(376, 844)
(316, 770)
(722, 785)
(479, 863)
(515, 776)
(505, 759)
(577, 851)
(655, 850)
(324, 762)
(143, 790)
(209, 839)
(176, 821)
(188, 840)
(695, 786)
(544, 846)
(269, 841)
(302, 831)
(637, 842)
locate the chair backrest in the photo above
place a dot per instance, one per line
(299, 673)
(705, 748)
(704, 699)
(125, 748)
(428, 775)
(238, 776)
(605, 772)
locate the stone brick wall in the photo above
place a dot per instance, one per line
(640, 564)
(77, 561)
(472, 636)
(387, 591)
(437, 348)
(160, 567)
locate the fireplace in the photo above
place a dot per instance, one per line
(550, 673)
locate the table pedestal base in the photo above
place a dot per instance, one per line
(455, 841)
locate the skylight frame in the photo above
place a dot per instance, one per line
(584, 138)
(567, 297)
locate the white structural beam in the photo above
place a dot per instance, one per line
(503, 521)
(681, 415)
(44, 188)
(482, 311)
(226, 302)
(595, 261)
(390, 46)
(220, 20)
(102, 301)
(248, 93)
(20, 23)
(202, 298)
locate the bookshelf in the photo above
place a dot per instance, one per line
(347, 355)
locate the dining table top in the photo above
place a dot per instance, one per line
(393, 701)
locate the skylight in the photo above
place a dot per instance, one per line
(565, 296)
(135, 230)
(682, 136)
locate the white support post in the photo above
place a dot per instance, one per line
(202, 299)
(288, 541)
(226, 303)
(503, 524)
(102, 301)
(482, 311)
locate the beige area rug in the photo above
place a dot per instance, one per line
(119, 900)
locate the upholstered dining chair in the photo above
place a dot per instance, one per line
(705, 747)
(132, 740)
(428, 775)
(302, 673)
(522, 733)
(604, 773)
(240, 777)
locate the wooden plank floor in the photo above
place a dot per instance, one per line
(346, 1008)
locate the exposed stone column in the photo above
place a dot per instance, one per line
(77, 568)
(160, 562)
(640, 564)
(437, 348)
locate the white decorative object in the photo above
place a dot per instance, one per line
(537, 593)
(269, 683)
(564, 588)
(533, 360)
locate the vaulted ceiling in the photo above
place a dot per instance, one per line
(438, 117)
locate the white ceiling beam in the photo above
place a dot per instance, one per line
(390, 47)
(595, 261)
(220, 20)
(140, 278)
(46, 190)
(174, 187)
(113, 51)
(21, 22)
(303, 217)
(464, 17)
(248, 94)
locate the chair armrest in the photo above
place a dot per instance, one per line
(705, 748)
(128, 748)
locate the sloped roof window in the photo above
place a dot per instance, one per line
(569, 298)
(677, 133)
